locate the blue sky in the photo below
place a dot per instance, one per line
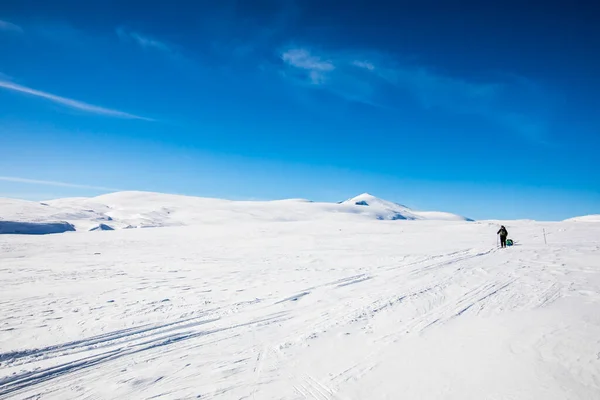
(490, 111)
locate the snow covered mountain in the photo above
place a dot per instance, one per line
(123, 210)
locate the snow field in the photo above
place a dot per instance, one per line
(331, 308)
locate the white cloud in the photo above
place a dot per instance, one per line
(363, 64)
(434, 89)
(144, 41)
(54, 183)
(303, 59)
(10, 27)
(79, 105)
(148, 42)
(380, 80)
(431, 88)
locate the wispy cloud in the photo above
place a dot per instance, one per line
(55, 183)
(10, 27)
(301, 58)
(144, 41)
(315, 67)
(437, 90)
(363, 64)
(172, 52)
(79, 105)
(379, 80)
(493, 100)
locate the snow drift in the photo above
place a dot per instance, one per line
(34, 228)
(102, 227)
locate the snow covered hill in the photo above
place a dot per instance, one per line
(145, 209)
(275, 304)
(383, 209)
(585, 218)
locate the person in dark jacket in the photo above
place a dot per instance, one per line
(503, 235)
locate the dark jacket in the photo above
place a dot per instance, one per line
(503, 232)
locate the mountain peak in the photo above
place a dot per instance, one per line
(363, 198)
(384, 209)
(367, 199)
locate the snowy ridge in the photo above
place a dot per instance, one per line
(585, 218)
(124, 210)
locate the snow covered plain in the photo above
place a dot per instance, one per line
(295, 300)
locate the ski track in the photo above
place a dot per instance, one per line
(128, 342)
(37, 376)
(245, 327)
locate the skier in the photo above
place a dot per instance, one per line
(503, 235)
